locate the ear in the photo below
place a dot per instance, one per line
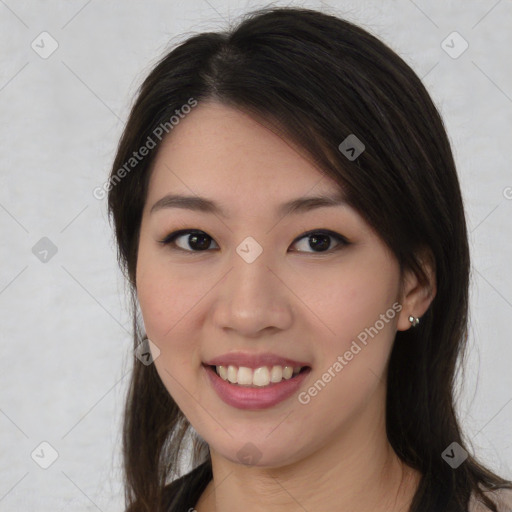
(416, 296)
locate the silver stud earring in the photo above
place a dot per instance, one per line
(414, 320)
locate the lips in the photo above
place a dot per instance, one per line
(243, 397)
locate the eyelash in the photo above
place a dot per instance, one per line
(342, 241)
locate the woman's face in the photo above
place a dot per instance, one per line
(252, 284)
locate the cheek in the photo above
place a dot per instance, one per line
(167, 301)
(353, 298)
(166, 295)
(358, 304)
(352, 362)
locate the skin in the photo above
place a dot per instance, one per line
(332, 453)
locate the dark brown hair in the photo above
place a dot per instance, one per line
(317, 79)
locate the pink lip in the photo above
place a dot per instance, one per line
(253, 360)
(254, 398)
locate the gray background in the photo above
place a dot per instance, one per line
(65, 331)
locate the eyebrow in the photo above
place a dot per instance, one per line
(202, 204)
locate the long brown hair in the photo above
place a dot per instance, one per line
(318, 79)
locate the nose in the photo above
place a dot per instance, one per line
(253, 299)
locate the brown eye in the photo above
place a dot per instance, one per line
(320, 241)
(197, 241)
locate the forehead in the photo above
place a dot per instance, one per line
(218, 151)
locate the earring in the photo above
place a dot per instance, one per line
(414, 320)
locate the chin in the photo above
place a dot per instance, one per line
(262, 454)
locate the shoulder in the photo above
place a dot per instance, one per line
(502, 497)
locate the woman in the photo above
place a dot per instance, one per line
(289, 218)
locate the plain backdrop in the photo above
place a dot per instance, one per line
(65, 329)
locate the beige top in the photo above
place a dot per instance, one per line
(502, 497)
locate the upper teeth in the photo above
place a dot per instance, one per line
(262, 376)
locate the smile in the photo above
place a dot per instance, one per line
(254, 396)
